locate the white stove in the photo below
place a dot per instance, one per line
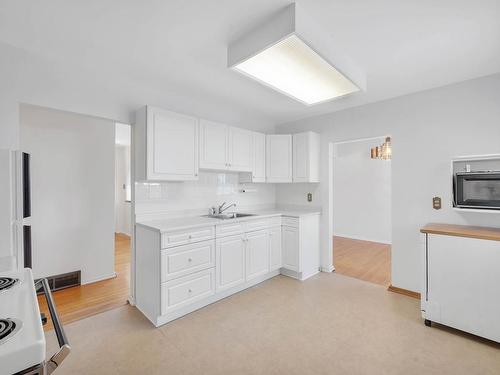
(22, 340)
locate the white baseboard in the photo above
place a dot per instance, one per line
(363, 238)
(327, 269)
(113, 275)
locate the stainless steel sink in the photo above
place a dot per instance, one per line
(231, 215)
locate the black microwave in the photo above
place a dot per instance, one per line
(477, 190)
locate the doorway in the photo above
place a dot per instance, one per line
(362, 210)
(74, 208)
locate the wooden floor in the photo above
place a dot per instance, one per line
(82, 301)
(365, 260)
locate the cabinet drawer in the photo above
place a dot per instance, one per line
(290, 221)
(230, 229)
(181, 292)
(275, 221)
(258, 224)
(186, 259)
(184, 237)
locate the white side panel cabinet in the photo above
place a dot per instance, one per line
(306, 154)
(213, 145)
(165, 145)
(230, 255)
(461, 284)
(275, 257)
(300, 244)
(279, 158)
(257, 252)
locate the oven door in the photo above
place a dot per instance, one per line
(477, 190)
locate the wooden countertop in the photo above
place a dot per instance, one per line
(484, 233)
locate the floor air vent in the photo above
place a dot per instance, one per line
(65, 280)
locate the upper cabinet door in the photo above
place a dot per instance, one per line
(213, 145)
(279, 158)
(171, 145)
(306, 150)
(240, 147)
(259, 157)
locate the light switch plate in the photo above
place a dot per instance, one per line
(309, 197)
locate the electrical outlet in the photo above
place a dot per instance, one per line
(309, 197)
(436, 203)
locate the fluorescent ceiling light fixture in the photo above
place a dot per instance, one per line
(293, 68)
(282, 54)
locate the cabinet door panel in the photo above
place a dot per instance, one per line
(230, 262)
(172, 146)
(240, 147)
(279, 158)
(259, 158)
(257, 257)
(290, 248)
(213, 145)
(463, 281)
(275, 248)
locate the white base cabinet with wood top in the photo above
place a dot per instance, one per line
(461, 278)
(181, 270)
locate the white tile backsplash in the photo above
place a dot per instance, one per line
(210, 189)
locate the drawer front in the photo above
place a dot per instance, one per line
(275, 221)
(230, 229)
(258, 224)
(290, 221)
(183, 260)
(181, 292)
(178, 238)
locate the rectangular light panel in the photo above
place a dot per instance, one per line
(293, 68)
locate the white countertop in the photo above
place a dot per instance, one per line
(186, 222)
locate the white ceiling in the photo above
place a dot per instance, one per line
(404, 46)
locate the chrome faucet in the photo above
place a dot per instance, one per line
(221, 208)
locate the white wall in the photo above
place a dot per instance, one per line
(212, 188)
(72, 192)
(122, 177)
(361, 192)
(428, 129)
(30, 78)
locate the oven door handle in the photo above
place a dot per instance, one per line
(64, 347)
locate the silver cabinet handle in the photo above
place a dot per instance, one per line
(64, 347)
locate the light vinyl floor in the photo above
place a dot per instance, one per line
(329, 324)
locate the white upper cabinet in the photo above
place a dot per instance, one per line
(279, 158)
(224, 147)
(166, 145)
(240, 147)
(213, 145)
(306, 153)
(259, 157)
(258, 173)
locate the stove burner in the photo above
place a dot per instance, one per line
(7, 283)
(8, 327)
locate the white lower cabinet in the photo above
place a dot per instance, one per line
(257, 254)
(291, 246)
(230, 255)
(187, 290)
(179, 271)
(300, 245)
(275, 248)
